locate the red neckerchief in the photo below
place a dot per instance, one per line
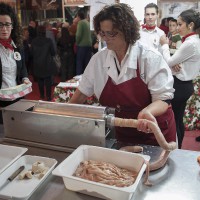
(7, 43)
(148, 27)
(183, 38)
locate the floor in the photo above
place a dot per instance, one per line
(189, 142)
(35, 95)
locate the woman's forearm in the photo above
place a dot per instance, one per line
(157, 108)
(78, 97)
(150, 112)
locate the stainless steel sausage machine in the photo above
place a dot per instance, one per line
(56, 126)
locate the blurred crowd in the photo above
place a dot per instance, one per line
(73, 45)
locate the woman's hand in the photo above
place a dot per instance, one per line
(26, 81)
(177, 68)
(164, 40)
(142, 124)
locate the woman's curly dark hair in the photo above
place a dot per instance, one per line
(123, 19)
(16, 34)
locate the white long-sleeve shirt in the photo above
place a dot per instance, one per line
(154, 71)
(188, 56)
(9, 68)
(151, 38)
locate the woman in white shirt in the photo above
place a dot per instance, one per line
(185, 64)
(12, 61)
(127, 76)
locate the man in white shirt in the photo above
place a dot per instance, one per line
(149, 33)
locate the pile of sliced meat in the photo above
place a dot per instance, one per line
(105, 173)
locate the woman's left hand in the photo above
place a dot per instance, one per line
(142, 124)
(164, 40)
(26, 81)
(177, 68)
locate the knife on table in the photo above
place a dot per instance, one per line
(12, 177)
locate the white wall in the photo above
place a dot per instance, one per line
(96, 6)
(138, 7)
(173, 9)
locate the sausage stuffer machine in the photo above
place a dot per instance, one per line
(57, 126)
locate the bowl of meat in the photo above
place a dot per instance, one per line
(102, 172)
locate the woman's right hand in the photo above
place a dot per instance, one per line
(177, 68)
(142, 124)
(164, 40)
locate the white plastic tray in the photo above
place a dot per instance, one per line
(23, 189)
(9, 154)
(122, 159)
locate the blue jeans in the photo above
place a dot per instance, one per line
(82, 58)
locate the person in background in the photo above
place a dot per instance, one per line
(72, 31)
(65, 48)
(127, 76)
(185, 64)
(27, 46)
(44, 68)
(50, 35)
(95, 43)
(32, 30)
(73, 26)
(163, 25)
(12, 61)
(174, 37)
(83, 43)
(55, 29)
(149, 33)
(167, 24)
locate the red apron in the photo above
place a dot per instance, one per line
(129, 98)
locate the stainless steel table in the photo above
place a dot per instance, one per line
(178, 180)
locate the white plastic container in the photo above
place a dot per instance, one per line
(122, 159)
(22, 189)
(9, 154)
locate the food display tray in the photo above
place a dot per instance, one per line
(9, 154)
(23, 189)
(121, 159)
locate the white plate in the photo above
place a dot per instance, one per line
(9, 154)
(122, 159)
(68, 84)
(23, 189)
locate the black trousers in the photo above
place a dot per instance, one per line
(183, 91)
(83, 57)
(45, 83)
(67, 66)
